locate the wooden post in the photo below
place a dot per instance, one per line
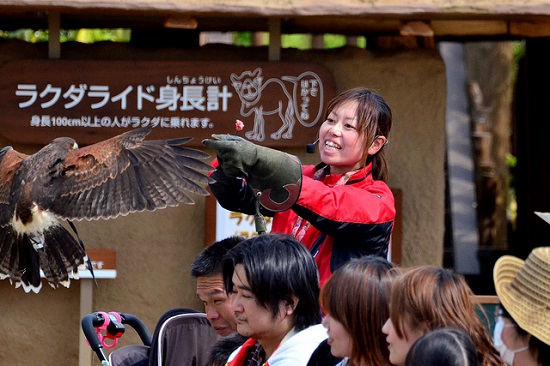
(396, 251)
(54, 29)
(84, 350)
(274, 51)
(104, 265)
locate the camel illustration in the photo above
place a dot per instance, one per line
(250, 87)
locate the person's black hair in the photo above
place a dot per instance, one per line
(277, 267)
(222, 349)
(443, 347)
(209, 261)
(536, 346)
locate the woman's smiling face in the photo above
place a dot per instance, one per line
(341, 145)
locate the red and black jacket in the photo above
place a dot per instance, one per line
(346, 221)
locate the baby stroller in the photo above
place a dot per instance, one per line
(182, 337)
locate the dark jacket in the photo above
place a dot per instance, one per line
(342, 221)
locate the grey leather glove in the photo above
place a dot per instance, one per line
(275, 176)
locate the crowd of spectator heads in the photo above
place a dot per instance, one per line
(376, 313)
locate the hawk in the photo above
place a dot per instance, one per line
(114, 177)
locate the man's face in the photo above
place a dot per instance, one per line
(217, 305)
(254, 320)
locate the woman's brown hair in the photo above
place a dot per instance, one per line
(374, 119)
(357, 295)
(428, 298)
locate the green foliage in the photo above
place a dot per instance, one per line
(99, 35)
(519, 50)
(66, 35)
(511, 202)
(298, 41)
(303, 41)
(27, 35)
(335, 40)
(511, 160)
(243, 39)
(519, 53)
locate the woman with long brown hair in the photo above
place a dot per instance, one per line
(427, 298)
(356, 303)
(341, 208)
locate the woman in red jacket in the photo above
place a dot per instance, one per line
(344, 209)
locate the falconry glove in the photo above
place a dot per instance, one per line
(275, 176)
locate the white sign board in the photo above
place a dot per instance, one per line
(230, 223)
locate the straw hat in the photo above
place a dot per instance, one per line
(523, 288)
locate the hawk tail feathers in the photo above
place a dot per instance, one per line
(19, 261)
(55, 253)
(61, 256)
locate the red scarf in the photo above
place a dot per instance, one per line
(241, 356)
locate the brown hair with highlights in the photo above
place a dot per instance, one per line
(357, 295)
(428, 298)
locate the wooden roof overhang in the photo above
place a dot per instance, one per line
(447, 18)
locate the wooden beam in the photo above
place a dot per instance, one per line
(531, 29)
(486, 299)
(469, 27)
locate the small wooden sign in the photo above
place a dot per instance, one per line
(103, 263)
(281, 104)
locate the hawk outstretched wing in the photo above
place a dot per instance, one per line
(114, 177)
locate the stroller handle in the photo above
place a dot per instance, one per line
(92, 321)
(139, 326)
(89, 322)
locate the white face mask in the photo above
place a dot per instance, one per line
(506, 354)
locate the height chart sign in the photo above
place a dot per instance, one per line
(281, 104)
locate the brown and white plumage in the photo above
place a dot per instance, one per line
(114, 177)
